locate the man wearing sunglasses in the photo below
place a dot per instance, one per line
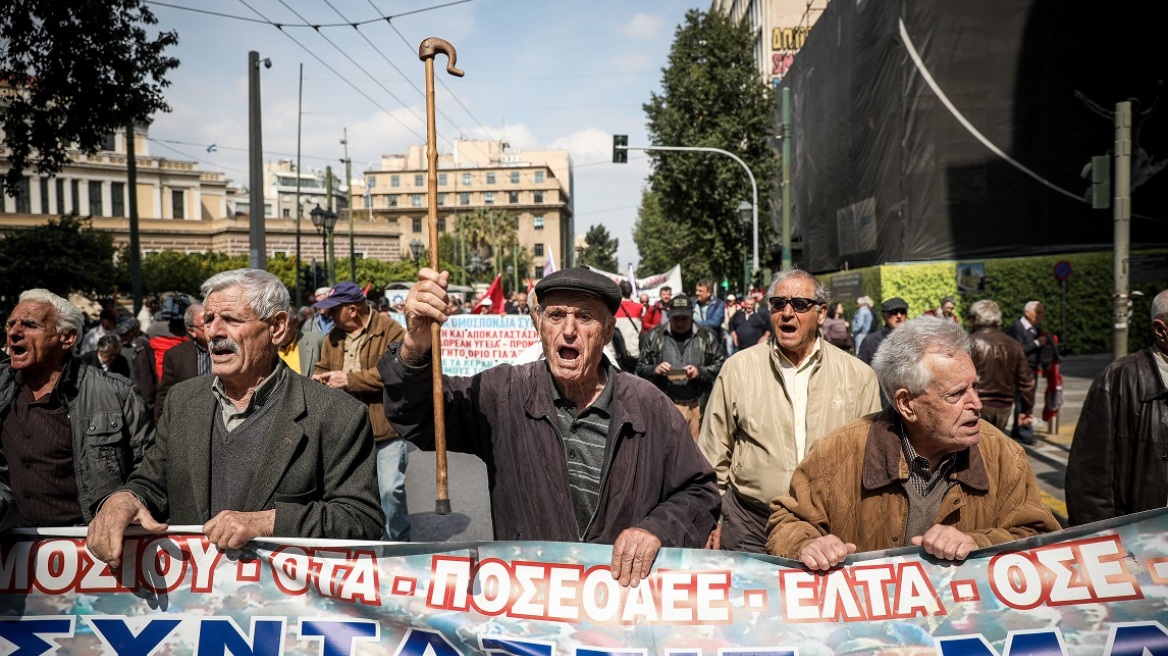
(770, 403)
(895, 312)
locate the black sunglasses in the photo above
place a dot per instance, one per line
(797, 304)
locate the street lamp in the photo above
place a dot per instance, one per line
(745, 216)
(475, 267)
(417, 247)
(324, 221)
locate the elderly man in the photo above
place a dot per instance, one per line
(683, 359)
(925, 471)
(70, 433)
(1002, 372)
(185, 361)
(108, 356)
(708, 310)
(576, 451)
(771, 403)
(948, 305)
(748, 327)
(895, 311)
(1038, 349)
(1116, 465)
(253, 450)
(349, 363)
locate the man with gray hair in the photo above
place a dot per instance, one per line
(1002, 371)
(185, 361)
(252, 450)
(1116, 465)
(1038, 349)
(69, 433)
(772, 402)
(925, 471)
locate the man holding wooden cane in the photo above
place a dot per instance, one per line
(576, 450)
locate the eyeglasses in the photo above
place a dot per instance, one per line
(893, 313)
(797, 304)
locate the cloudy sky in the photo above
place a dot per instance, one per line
(539, 74)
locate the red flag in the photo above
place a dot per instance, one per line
(492, 301)
(368, 286)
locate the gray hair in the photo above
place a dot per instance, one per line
(1031, 305)
(69, 317)
(193, 311)
(820, 295)
(264, 292)
(900, 360)
(1160, 306)
(985, 313)
(109, 342)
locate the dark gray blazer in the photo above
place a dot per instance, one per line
(317, 469)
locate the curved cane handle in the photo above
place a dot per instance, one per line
(432, 46)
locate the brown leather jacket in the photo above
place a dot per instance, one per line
(851, 485)
(365, 385)
(1002, 369)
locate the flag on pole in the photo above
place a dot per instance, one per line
(492, 301)
(632, 279)
(549, 265)
(368, 195)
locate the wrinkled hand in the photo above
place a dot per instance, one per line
(232, 529)
(333, 379)
(946, 542)
(691, 372)
(108, 528)
(1025, 419)
(662, 369)
(425, 304)
(633, 555)
(715, 539)
(825, 552)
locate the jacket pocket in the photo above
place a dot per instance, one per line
(300, 498)
(104, 433)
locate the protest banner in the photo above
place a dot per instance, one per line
(650, 285)
(1097, 590)
(474, 342)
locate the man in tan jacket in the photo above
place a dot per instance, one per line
(771, 402)
(348, 362)
(927, 471)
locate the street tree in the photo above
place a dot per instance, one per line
(599, 250)
(64, 255)
(660, 245)
(75, 71)
(711, 96)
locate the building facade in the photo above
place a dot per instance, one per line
(780, 28)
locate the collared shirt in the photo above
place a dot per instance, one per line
(232, 416)
(797, 380)
(584, 435)
(202, 359)
(1028, 326)
(353, 343)
(291, 356)
(920, 475)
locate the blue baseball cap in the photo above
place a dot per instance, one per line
(343, 294)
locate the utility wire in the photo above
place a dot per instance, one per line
(315, 26)
(162, 142)
(242, 150)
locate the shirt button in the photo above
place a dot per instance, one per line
(572, 455)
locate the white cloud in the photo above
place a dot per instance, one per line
(587, 145)
(644, 26)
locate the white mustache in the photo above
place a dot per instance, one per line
(224, 343)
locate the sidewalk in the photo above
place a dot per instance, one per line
(1079, 371)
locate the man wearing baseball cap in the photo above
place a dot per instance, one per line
(348, 362)
(576, 450)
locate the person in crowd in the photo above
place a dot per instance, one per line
(835, 328)
(895, 311)
(146, 314)
(169, 329)
(732, 308)
(682, 359)
(257, 451)
(349, 363)
(107, 325)
(925, 471)
(289, 347)
(1002, 371)
(509, 305)
(521, 303)
(626, 344)
(946, 310)
(650, 314)
(1028, 331)
(862, 321)
(138, 352)
(749, 327)
(108, 356)
(188, 360)
(321, 323)
(708, 309)
(771, 403)
(311, 341)
(1116, 464)
(69, 433)
(548, 428)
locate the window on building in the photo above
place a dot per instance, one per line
(391, 200)
(515, 177)
(415, 200)
(441, 199)
(287, 213)
(538, 250)
(118, 198)
(538, 222)
(441, 179)
(60, 196)
(491, 177)
(177, 205)
(75, 194)
(539, 196)
(96, 207)
(463, 198)
(466, 178)
(417, 225)
(359, 255)
(512, 197)
(489, 198)
(419, 180)
(109, 142)
(395, 180)
(23, 197)
(538, 272)
(280, 253)
(539, 176)
(371, 182)
(441, 224)
(44, 195)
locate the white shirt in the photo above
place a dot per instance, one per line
(797, 379)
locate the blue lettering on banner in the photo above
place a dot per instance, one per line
(417, 640)
(1019, 643)
(114, 632)
(339, 637)
(512, 647)
(1137, 639)
(28, 634)
(218, 637)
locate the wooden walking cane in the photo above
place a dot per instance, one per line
(426, 52)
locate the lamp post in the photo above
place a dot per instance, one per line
(324, 221)
(417, 247)
(475, 267)
(745, 215)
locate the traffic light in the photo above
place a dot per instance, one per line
(1098, 172)
(620, 146)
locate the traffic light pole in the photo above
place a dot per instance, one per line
(1123, 121)
(753, 184)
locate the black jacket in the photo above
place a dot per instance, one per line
(654, 477)
(703, 350)
(1119, 458)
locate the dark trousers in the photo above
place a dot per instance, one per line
(744, 527)
(999, 417)
(1024, 434)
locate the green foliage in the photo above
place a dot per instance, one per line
(599, 250)
(711, 97)
(65, 255)
(172, 271)
(84, 68)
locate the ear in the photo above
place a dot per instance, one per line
(68, 339)
(279, 326)
(1160, 332)
(902, 401)
(822, 314)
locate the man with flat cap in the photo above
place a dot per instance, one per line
(576, 450)
(895, 311)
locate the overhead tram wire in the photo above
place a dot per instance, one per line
(162, 142)
(263, 21)
(238, 148)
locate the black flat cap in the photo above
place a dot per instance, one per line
(893, 304)
(581, 279)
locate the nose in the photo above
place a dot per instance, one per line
(975, 400)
